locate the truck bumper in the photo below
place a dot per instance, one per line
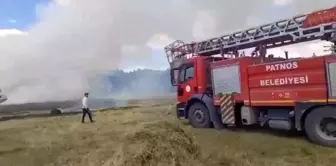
(181, 112)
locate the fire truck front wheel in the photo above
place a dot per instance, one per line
(198, 115)
(320, 126)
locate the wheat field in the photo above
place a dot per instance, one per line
(148, 136)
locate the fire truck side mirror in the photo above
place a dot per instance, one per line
(174, 77)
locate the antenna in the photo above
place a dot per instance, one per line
(286, 54)
(331, 48)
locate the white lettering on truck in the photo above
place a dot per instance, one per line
(284, 81)
(282, 66)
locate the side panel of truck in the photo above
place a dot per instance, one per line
(230, 76)
(287, 82)
(331, 78)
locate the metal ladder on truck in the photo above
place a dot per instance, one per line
(318, 25)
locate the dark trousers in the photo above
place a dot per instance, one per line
(86, 111)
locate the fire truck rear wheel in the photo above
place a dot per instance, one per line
(320, 126)
(199, 116)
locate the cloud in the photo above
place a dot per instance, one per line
(282, 2)
(6, 32)
(159, 41)
(63, 2)
(204, 25)
(73, 41)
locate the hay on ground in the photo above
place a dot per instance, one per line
(159, 143)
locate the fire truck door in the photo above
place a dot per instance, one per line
(187, 82)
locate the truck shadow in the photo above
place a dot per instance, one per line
(269, 131)
(263, 130)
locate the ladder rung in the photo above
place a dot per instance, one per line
(300, 28)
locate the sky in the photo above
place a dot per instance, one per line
(16, 16)
(52, 49)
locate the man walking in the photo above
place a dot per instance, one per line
(85, 108)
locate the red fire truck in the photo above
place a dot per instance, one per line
(218, 87)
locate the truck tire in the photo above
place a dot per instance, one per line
(320, 126)
(198, 115)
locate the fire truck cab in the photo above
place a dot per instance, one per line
(281, 93)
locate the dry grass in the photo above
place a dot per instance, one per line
(147, 136)
(168, 99)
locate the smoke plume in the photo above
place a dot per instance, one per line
(76, 40)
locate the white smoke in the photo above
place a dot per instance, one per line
(75, 40)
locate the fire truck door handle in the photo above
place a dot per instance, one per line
(195, 88)
(180, 91)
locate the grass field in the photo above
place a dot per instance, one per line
(148, 135)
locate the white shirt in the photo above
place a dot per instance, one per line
(85, 102)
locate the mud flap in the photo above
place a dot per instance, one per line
(215, 117)
(299, 111)
(227, 109)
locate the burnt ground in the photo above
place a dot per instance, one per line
(42, 109)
